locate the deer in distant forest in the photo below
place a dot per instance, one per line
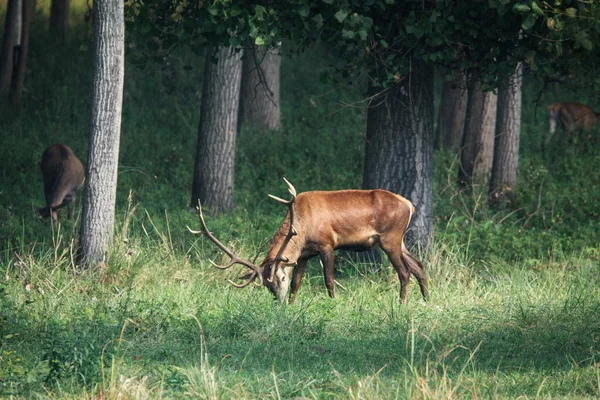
(63, 174)
(320, 222)
(570, 117)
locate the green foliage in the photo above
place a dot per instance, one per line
(381, 39)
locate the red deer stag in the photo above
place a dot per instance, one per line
(570, 117)
(63, 175)
(318, 223)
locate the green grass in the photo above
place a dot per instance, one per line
(515, 293)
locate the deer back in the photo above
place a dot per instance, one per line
(62, 173)
(355, 219)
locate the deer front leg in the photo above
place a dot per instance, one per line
(327, 258)
(297, 277)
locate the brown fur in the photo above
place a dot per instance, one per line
(63, 174)
(354, 219)
(570, 117)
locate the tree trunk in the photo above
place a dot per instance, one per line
(215, 154)
(452, 112)
(11, 39)
(260, 89)
(399, 147)
(97, 226)
(506, 146)
(59, 19)
(18, 80)
(478, 141)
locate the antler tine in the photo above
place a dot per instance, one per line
(248, 281)
(292, 232)
(291, 188)
(234, 259)
(292, 191)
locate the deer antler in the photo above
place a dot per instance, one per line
(292, 232)
(256, 271)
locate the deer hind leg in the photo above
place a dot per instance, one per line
(402, 269)
(327, 257)
(417, 269)
(297, 277)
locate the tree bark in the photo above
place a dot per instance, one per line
(399, 147)
(260, 89)
(59, 19)
(452, 112)
(97, 226)
(506, 146)
(215, 154)
(11, 39)
(478, 142)
(18, 80)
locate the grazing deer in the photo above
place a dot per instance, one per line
(318, 223)
(571, 117)
(63, 175)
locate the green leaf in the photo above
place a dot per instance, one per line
(259, 40)
(521, 8)
(341, 15)
(571, 12)
(304, 10)
(362, 34)
(318, 20)
(213, 10)
(586, 44)
(384, 43)
(259, 12)
(528, 22)
(434, 16)
(536, 8)
(347, 34)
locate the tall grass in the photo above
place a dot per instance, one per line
(515, 293)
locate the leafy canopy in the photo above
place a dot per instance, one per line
(379, 38)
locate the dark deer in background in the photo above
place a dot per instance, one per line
(63, 175)
(318, 223)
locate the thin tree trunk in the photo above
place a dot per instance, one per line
(97, 226)
(506, 147)
(11, 39)
(215, 154)
(260, 89)
(18, 81)
(59, 19)
(452, 112)
(399, 147)
(478, 141)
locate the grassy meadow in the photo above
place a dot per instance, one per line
(514, 310)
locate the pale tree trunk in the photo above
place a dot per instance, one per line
(215, 154)
(259, 103)
(399, 147)
(18, 80)
(452, 112)
(506, 147)
(10, 43)
(478, 141)
(97, 226)
(59, 18)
